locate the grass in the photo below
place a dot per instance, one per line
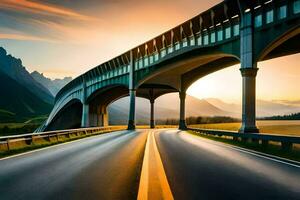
(282, 127)
(6, 112)
(12, 125)
(36, 120)
(271, 149)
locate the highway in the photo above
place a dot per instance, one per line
(199, 168)
(109, 166)
(100, 167)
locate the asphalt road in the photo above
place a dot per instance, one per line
(109, 167)
(101, 167)
(199, 168)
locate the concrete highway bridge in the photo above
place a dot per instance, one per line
(232, 32)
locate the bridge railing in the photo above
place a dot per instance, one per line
(285, 141)
(14, 142)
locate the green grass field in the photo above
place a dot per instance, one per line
(27, 126)
(282, 127)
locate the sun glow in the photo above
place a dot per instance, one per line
(224, 84)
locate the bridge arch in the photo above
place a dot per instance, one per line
(99, 100)
(192, 76)
(181, 74)
(67, 117)
(285, 44)
(108, 93)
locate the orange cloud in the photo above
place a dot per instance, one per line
(41, 8)
(23, 37)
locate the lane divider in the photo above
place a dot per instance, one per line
(153, 181)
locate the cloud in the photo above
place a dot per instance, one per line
(40, 21)
(288, 102)
(11, 36)
(28, 6)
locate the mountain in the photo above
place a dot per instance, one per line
(232, 107)
(53, 85)
(166, 106)
(263, 108)
(17, 103)
(14, 69)
(270, 108)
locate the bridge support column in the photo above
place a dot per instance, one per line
(152, 122)
(93, 116)
(248, 101)
(131, 121)
(85, 116)
(182, 123)
(102, 116)
(249, 71)
(85, 107)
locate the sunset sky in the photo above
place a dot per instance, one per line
(68, 37)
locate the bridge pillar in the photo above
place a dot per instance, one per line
(249, 71)
(85, 107)
(103, 116)
(132, 94)
(85, 115)
(182, 124)
(152, 121)
(248, 101)
(93, 116)
(131, 121)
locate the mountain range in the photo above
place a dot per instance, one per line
(13, 68)
(166, 106)
(263, 108)
(26, 95)
(22, 96)
(52, 85)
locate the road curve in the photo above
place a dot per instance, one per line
(199, 168)
(101, 167)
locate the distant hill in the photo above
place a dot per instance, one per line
(17, 103)
(235, 109)
(53, 85)
(269, 108)
(14, 69)
(263, 108)
(166, 106)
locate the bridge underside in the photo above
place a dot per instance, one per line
(288, 47)
(68, 118)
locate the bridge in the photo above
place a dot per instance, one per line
(229, 33)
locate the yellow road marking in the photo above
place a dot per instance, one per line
(153, 181)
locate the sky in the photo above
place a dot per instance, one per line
(68, 37)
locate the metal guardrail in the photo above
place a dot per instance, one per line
(8, 143)
(285, 141)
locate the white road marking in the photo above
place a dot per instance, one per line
(251, 152)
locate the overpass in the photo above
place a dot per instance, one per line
(232, 32)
